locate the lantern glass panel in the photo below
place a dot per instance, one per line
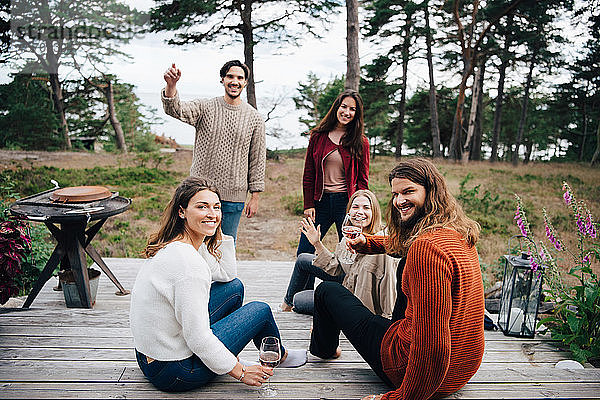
(520, 298)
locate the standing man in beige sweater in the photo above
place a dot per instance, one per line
(229, 149)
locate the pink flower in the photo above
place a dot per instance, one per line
(567, 197)
(586, 259)
(543, 255)
(534, 265)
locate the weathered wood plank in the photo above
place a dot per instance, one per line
(296, 390)
(292, 338)
(49, 353)
(334, 372)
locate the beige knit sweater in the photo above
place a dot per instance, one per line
(229, 149)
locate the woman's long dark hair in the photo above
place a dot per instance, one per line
(441, 209)
(355, 130)
(172, 226)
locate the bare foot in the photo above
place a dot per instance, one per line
(338, 352)
(285, 307)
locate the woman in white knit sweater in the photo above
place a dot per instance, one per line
(186, 316)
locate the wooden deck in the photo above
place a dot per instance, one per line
(50, 351)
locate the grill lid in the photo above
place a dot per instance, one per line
(78, 194)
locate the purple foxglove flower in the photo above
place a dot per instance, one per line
(586, 259)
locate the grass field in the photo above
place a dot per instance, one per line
(485, 190)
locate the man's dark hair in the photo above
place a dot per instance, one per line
(234, 63)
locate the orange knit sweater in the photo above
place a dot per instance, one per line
(439, 346)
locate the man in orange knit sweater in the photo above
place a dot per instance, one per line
(434, 343)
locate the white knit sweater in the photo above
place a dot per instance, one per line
(169, 315)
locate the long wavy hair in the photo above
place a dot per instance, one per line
(375, 224)
(440, 209)
(352, 140)
(172, 226)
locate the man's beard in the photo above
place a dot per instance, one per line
(407, 227)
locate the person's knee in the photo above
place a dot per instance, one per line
(235, 290)
(304, 260)
(237, 287)
(324, 290)
(259, 308)
(303, 302)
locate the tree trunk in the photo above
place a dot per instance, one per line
(57, 99)
(352, 57)
(402, 105)
(596, 155)
(500, 96)
(475, 93)
(522, 121)
(246, 13)
(112, 115)
(51, 64)
(455, 147)
(477, 137)
(528, 151)
(435, 127)
(469, 54)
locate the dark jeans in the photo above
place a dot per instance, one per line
(303, 278)
(233, 324)
(336, 308)
(329, 210)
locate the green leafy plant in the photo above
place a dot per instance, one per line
(15, 244)
(293, 203)
(24, 248)
(576, 318)
(480, 207)
(156, 158)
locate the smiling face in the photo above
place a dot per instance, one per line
(361, 212)
(234, 82)
(346, 111)
(202, 215)
(408, 199)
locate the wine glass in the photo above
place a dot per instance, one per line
(351, 232)
(269, 356)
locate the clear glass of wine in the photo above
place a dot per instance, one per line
(269, 356)
(351, 232)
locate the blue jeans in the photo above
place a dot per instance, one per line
(231, 211)
(302, 279)
(233, 324)
(329, 210)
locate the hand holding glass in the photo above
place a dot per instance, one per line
(269, 356)
(351, 232)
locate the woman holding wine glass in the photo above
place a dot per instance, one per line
(336, 165)
(186, 317)
(371, 278)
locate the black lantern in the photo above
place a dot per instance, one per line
(521, 293)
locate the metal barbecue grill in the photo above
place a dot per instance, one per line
(68, 222)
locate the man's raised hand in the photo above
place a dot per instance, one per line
(171, 76)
